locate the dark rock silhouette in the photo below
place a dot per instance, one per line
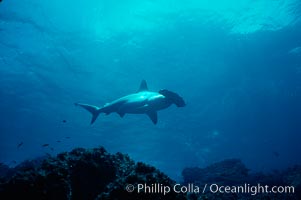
(232, 172)
(83, 174)
(4, 169)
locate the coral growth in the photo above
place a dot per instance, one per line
(230, 171)
(233, 172)
(83, 174)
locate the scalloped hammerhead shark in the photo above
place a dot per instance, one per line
(141, 102)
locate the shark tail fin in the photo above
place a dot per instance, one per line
(94, 110)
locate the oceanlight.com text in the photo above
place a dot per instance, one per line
(158, 188)
(251, 189)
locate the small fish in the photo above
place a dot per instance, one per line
(67, 137)
(58, 141)
(51, 148)
(20, 144)
(64, 121)
(45, 145)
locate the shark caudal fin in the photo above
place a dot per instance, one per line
(94, 110)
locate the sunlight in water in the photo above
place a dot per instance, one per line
(240, 16)
(108, 18)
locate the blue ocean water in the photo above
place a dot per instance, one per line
(236, 64)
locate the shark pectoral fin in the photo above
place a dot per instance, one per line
(153, 116)
(121, 114)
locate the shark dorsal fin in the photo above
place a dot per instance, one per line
(143, 86)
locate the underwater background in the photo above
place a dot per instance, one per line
(237, 64)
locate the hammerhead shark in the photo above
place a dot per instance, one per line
(141, 102)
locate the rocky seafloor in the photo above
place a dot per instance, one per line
(85, 174)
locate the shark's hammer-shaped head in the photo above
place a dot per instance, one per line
(173, 97)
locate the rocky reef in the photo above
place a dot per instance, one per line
(4, 169)
(82, 175)
(230, 171)
(233, 172)
(85, 174)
